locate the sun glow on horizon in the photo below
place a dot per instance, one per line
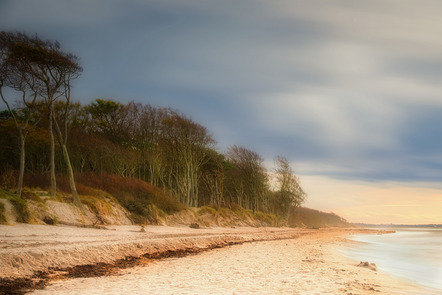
(367, 202)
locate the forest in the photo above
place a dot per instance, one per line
(49, 140)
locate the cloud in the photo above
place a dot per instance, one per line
(349, 89)
(46, 13)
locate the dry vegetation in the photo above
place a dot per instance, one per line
(145, 204)
(306, 217)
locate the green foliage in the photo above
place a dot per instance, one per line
(3, 214)
(20, 206)
(225, 212)
(28, 194)
(145, 155)
(239, 213)
(207, 210)
(97, 204)
(137, 207)
(143, 211)
(132, 193)
(244, 214)
(9, 151)
(269, 219)
(145, 202)
(6, 194)
(247, 181)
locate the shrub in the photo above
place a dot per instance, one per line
(225, 212)
(143, 211)
(133, 194)
(28, 194)
(2, 214)
(207, 210)
(8, 179)
(313, 218)
(194, 225)
(269, 219)
(130, 191)
(97, 204)
(244, 214)
(19, 204)
(50, 220)
(21, 207)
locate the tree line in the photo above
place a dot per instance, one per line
(42, 131)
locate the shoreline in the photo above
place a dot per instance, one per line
(406, 261)
(49, 253)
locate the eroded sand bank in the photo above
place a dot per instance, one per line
(305, 262)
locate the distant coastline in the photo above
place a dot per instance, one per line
(383, 225)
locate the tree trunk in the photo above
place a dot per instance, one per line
(72, 185)
(22, 164)
(52, 156)
(69, 170)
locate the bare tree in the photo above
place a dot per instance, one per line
(148, 138)
(186, 143)
(289, 194)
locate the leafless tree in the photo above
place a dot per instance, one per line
(289, 193)
(186, 143)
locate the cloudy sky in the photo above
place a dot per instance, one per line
(350, 91)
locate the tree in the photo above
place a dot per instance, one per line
(55, 69)
(186, 143)
(47, 71)
(63, 138)
(213, 172)
(248, 178)
(145, 137)
(289, 194)
(106, 118)
(13, 74)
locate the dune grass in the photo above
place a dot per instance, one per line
(20, 205)
(3, 219)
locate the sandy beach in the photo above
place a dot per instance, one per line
(241, 261)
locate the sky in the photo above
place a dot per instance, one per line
(349, 91)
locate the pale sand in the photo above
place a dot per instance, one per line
(25, 248)
(309, 264)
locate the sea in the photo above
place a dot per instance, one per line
(413, 254)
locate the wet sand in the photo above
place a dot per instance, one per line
(309, 263)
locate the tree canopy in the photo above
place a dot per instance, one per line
(158, 145)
